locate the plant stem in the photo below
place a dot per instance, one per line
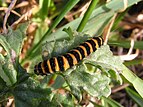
(87, 15)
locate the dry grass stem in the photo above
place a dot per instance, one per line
(12, 4)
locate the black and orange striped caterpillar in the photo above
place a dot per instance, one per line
(71, 58)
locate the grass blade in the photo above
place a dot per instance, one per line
(135, 96)
(135, 80)
(87, 15)
(66, 9)
(112, 102)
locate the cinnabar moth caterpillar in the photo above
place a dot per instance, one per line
(71, 58)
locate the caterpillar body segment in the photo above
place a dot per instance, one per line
(71, 58)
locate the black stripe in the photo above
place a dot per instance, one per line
(98, 40)
(69, 58)
(87, 48)
(61, 63)
(40, 69)
(76, 54)
(92, 44)
(81, 51)
(46, 68)
(52, 63)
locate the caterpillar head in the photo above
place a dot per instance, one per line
(36, 71)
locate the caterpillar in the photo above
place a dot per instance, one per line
(71, 58)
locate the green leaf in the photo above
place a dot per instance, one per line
(132, 78)
(64, 99)
(2, 85)
(69, 32)
(76, 92)
(107, 61)
(30, 94)
(47, 103)
(111, 102)
(22, 74)
(58, 82)
(16, 37)
(11, 43)
(8, 73)
(133, 62)
(104, 58)
(95, 84)
(135, 96)
(126, 44)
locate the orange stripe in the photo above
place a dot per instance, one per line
(95, 41)
(84, 49)
(49, 66)
(66, 63)
(91, 50)
(42, 66)
(101, 40)
(78, 53)
(74, 58)
(56, 65)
